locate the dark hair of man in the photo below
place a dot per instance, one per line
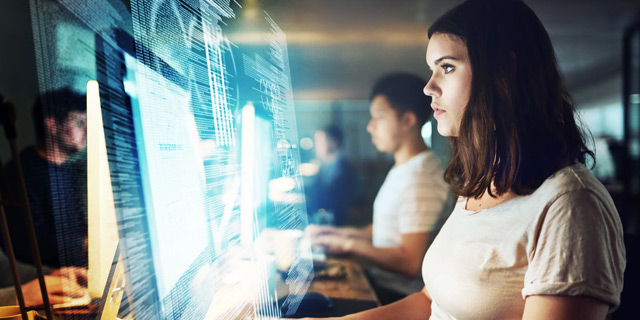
(518, 127)
(56, 104)
(334, 134)
(404, 93)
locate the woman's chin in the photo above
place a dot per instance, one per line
(445, 130)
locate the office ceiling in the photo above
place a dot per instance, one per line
(337, 48)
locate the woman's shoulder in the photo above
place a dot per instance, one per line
(571, 178)
(571, 182)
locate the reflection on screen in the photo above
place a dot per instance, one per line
(172, 174)
(202, 146)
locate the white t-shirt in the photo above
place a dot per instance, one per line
(409, 201)
(564, 239)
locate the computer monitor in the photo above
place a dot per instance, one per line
(103, 235)
(202, 152)
(172, 91)
(173, 184)
(105, 274)
(239, 180)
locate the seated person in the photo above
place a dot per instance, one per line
(410, 200)
(334, 188)
(534, 235)
(55, 176)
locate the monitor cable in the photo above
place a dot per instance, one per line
(8, 121)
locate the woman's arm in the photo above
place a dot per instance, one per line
(564, 308)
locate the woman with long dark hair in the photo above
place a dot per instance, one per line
(533, 235)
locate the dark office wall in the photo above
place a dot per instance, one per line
(67, 45)
(18, 79)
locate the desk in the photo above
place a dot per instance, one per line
(354, 286)
(234, 301)
(349, 294)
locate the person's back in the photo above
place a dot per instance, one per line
(408, 189)
(409, 202)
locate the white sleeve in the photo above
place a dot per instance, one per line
(420, 204)
(579, 250)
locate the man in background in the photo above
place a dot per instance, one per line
(410, 200)
(55, 177)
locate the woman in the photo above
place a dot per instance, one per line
(533, 235)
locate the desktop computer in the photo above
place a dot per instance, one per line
(197, 157)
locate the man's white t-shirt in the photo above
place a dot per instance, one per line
(409, 201)
(564, 239)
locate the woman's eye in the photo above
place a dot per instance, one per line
(447, 68)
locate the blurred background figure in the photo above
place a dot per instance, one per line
(56, 162)
(335, 187)
(67, 127)
(411, 199)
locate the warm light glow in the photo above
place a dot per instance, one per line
(397, 38)
(280, 191)
(282, 184)
(283, 144)
(306, 143)
(309, 169)
(251, 10)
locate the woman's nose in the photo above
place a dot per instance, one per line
(432, 89)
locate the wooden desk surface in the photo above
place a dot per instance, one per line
(235, 301)
(354, 286)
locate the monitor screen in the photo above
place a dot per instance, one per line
(201, 141)
(172, 172)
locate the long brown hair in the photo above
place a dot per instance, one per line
(518, 127)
